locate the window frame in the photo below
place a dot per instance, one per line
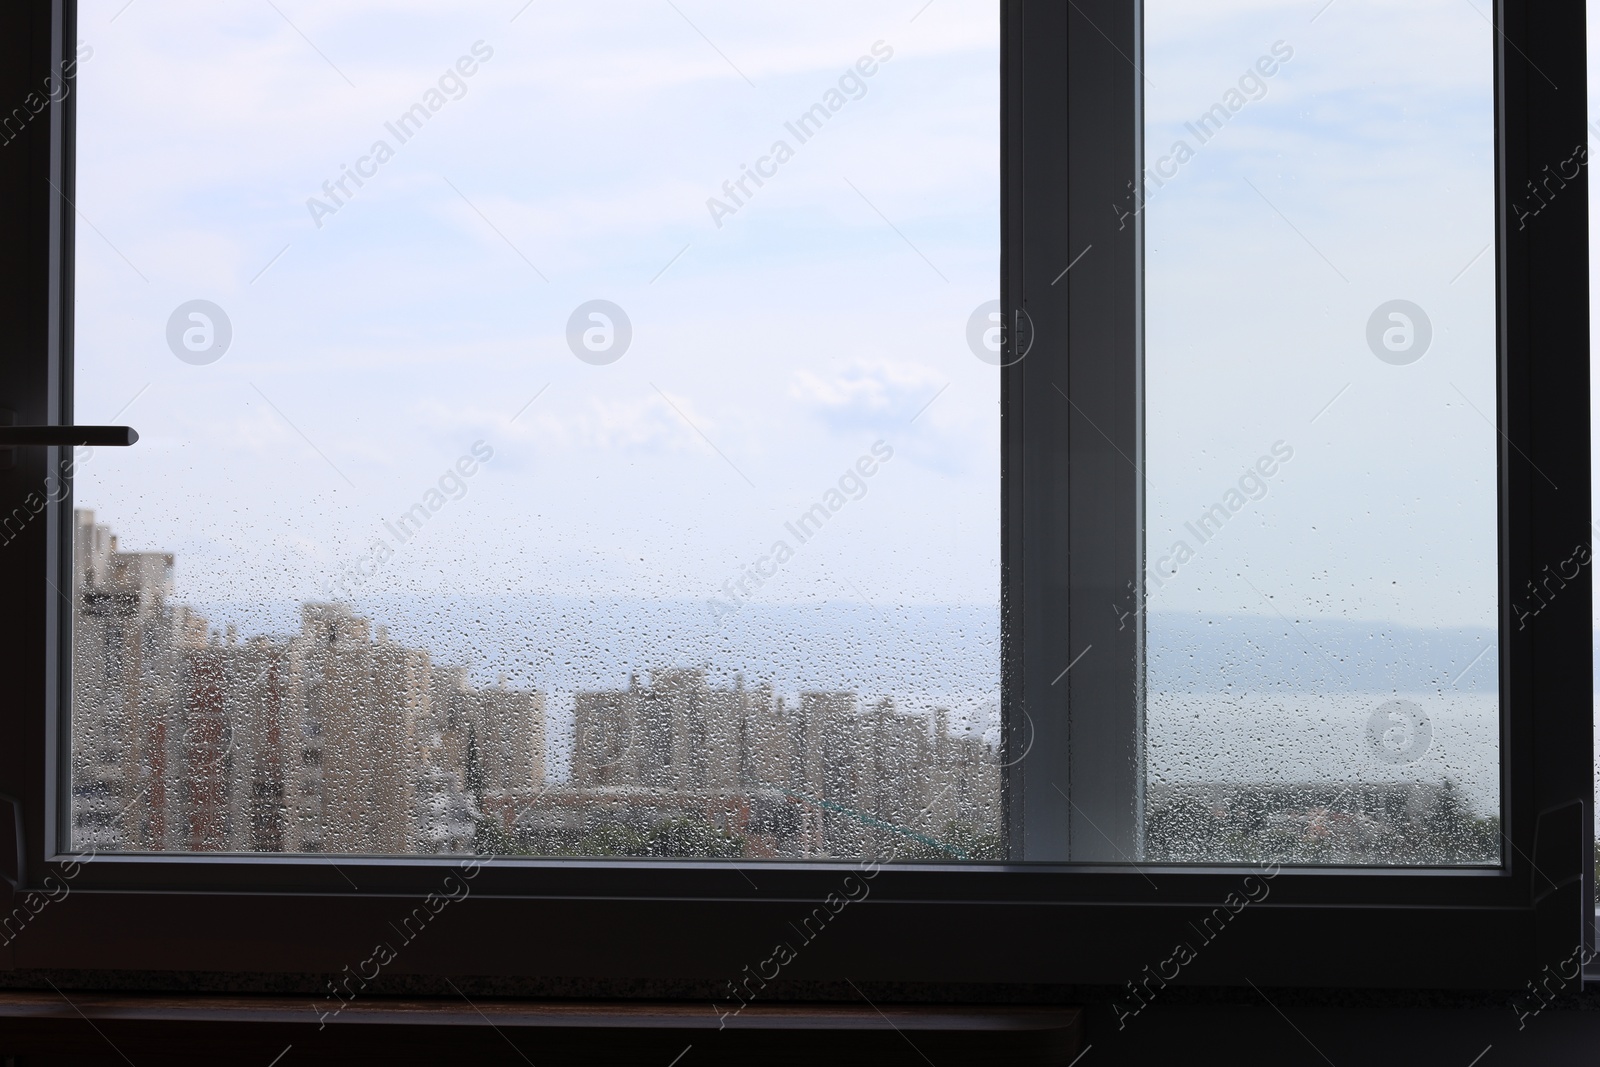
(1072, 538)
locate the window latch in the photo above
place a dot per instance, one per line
(12, 436)
(96, 436)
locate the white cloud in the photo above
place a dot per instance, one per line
(867, 390)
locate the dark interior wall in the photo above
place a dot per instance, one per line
(1176, 1026)
(1320, 1034)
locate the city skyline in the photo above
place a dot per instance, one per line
(338, 739)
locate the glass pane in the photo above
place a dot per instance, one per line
(1321, 545)
(560, 430)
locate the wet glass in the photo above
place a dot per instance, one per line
(1320, 463)
(567, 430)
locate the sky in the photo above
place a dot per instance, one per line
(783, 342)
(1354, 168)
(1362, 174)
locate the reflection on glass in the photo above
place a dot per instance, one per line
(1321, 456)
(560, 433)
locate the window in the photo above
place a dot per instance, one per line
(1319, 476)
(728, 592)
(1042, 798)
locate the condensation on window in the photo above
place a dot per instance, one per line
(565, 431)
(1320, 595)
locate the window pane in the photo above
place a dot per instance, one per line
(561, 433)
(1321, 450)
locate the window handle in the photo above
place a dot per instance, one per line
(97, 436)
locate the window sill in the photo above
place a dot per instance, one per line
(244, 1028)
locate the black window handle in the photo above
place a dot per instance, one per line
(96, 436)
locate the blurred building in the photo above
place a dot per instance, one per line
(824, 777)
(337, 739)
(187, 739)
(127, 645)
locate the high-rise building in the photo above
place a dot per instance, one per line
(820, 779)
(678, 733)
(324, 741)
(338, 739)
(232, 745)
(493, 739)
(358, 702)
(127, 643)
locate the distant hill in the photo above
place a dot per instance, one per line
(1196, 653)
(929, 649)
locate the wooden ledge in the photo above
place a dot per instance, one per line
(522, 1014)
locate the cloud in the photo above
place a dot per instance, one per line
(619, 423)
(867, 393)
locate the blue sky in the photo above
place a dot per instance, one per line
(374, 351)
(377, 349)
(1362, 175)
